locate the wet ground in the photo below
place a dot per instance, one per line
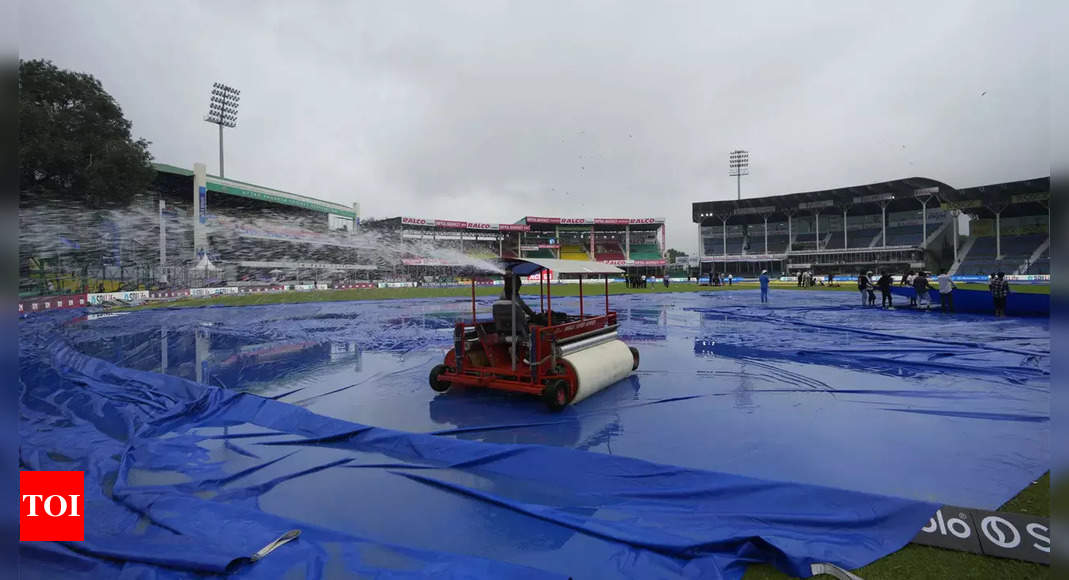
(810, 388)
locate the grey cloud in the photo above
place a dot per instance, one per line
(494, 110)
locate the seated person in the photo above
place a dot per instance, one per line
(502, 309)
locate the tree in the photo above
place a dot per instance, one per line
(74, 143)
(673, 254)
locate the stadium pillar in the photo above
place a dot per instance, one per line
(766, 234)
(924, 218)
(501, 246)
(724, 231)
(200, 207)
(845, 244)
(790, 234)
(998, 235)
(627, 241)
(163, 245)
(954, 216)
(816, 226)
(883, 223)
(591, 241)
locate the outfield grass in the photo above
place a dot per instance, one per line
(589, 289)
(928, 562)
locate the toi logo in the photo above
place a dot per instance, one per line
(51, 506)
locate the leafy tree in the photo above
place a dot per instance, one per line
(74, 143)
(673, 254)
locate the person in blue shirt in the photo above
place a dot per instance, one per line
(764, 285)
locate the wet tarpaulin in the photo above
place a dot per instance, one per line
(652, 477)
(980, 301)
(183, 478)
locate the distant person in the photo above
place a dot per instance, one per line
(921, 287)
(1000, 290)
(666, 281)
(863, 287)
(731, 279)
(908, 280)
(871, 289)
(946, 292)
(763, 280)
(800, 279)
(884, 284)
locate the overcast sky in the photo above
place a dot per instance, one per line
(489, 111)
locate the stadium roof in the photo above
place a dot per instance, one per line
(1016, 198)
(268, 194)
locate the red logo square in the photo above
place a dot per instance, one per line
(51, 506)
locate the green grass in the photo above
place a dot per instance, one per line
(915, 561)
(589, 289)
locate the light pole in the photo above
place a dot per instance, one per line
(223, 111)
(739, 165)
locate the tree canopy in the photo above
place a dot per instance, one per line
(74, 143)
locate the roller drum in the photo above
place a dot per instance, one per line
(599, 366)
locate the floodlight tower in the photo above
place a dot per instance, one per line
(739, 165)
(223, 111)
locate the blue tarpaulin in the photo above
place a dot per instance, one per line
(810, 430)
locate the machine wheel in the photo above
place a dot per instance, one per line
(436, 383)
(555, 394)
(634, 353)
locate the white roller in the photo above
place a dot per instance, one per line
(600, 366)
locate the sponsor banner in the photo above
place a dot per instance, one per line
(588, 221)
(962, 204)
(352, 286)
(414, 221)
(754, 210)
(261, 289)
(816, 204)
(133, 296)
(311, 265)
(874, 197)
(168, 293)
(633, 262)
(1026, 197)
(476, 226)
(514, 227)
(450, 224)
(212, 291)
(999, 534)
(428, 262)
(45, 303)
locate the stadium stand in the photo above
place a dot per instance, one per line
(573, 252)
(646, 252)
(904, 210)
(608, 250)
(909, 235)
(1016, 250)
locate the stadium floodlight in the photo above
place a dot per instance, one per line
(223, 111)
(739, 165)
